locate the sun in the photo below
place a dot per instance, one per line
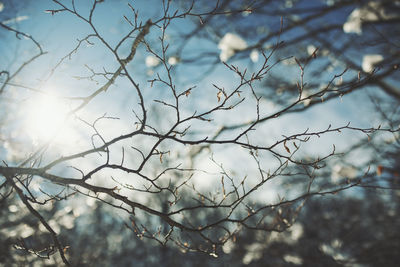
(47, 116)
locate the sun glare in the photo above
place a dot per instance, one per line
(46, 117)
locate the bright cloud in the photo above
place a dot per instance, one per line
(152, 61)
(373, 11)
(370, 61)
(229, 44)
(173, 60)
(254, 55)
(14, 20)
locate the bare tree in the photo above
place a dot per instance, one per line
(184, 120)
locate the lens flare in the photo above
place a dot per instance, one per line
(47, 116)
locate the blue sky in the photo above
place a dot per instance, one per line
(58, 35)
